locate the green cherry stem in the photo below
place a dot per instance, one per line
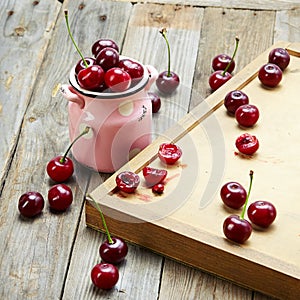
(233, 55)
(163, 32)
(110, 241)
(85, 131)
(248, 194)
(71, 36)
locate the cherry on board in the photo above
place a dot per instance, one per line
(169, 153)
(233, 194)
(105, 276)
(60, 197)
(158, 188)
(270, 75)
(247, 115)
(279, 57)
(127, 181)
(247, 143)
(234, 99)
(154, 176)
(31, 204)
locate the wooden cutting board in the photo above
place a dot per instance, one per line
(185, 223)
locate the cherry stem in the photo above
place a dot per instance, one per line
(233, 55)
(110, 241)
(248, 194)
(71, 36)
(85, 131)
(163, 32)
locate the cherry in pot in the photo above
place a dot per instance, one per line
(155, 102)
(31, 204)
(169, 153)
(279, 57)
(117, 79)
(60, 197)
(127, 181)
(82, 64)
(103, 43)
(105, 276)
(233, 194)
(270, 75)
(247, 143)
(134, 69)
(247, 115)
(107, 58)
(234, 99)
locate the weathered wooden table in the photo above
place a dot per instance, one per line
(51, 256)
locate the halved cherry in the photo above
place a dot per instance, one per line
(154, 176)
(169, 153)
(127, 181)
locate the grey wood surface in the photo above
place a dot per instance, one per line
(50, 257)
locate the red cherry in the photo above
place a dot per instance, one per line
(103, 43)
(237, 229)
(262, 213)
(247, 144)
(117, 80)
(221, 61)
(105, 276)
(270, 75)
(218, 78)
(60, 169)
(107, 58)
(169, 153)
(31, 204)
(247, 115)
(279, 57)
(134, 69)
(60, 197)
(167, 83)
(158, 188)
(155, 101)
(81, 65)
(113, 252)
(233, 194)
(154, 176)
(127, 181)
(91, 78)
(234, 99)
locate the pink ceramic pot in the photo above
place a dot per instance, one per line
(121, 123)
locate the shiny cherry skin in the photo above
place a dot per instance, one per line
(221, 61)
(247, 115)
(234, 99)
(127, 181)
(80, 65)
(31, 204)
(114, 252)
(107, 58)
(155, 102)
(134, 69)
(59, 169)
(167, 83)
(158, 188)
(218, 78)
(60, 197)
(236, 229)
(105, 276)
(154, 176)
(233, 194)
(270, 75)
(261, 213)
(91, 78)
(247, 144)
(169, 153)
(279, 57)
(103, 43)
(117, 79)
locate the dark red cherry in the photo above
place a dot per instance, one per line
(60, 197)
(158, 188)
(117, 80)
(221, 61)
(218, 78)
(134, 69)
(91, 78)
(155, 101)
(103, 43)
(114, 252)
(167, 83)
(127, 181)
(81, 65)
(262, 213)
(105, 276)
(233, 194)
(270, 75)
(279, 57)
(31, 204)
(247, 144)
(234, 99)
(154, 176)
(247, 115)
(107, 58)
(169, 153)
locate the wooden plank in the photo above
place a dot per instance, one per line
(26, 30)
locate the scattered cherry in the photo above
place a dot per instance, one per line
(154, 176)
(233, 194)
(61, 168)
(247, 115)
(103, 43)
(127, 181)
(221, 61)
(105, 276)
(169, 153)
(167, 81)
(107, 58)
(270, 75)
(117, 79)
(31, 204)
(279, 57)
(236, 228)
(155, 101)
(262, 213)
(234, 99)
(158, 188)
(60, 197)
(247, 144)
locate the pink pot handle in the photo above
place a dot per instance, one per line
(70, 94)
(153, 74)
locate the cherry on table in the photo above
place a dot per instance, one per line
(233, 194)
(105, 276)
(247, 143)
(155, 102)
(154, 176)
(60, 197)
(270, 75)
(262, 213)
(279, 57)
(31, 204)
(221, 61)
(107, 58)
(247, 115)
(234, 99)
(127, 181)
(169, 153)
(117, 79)
(103, 43)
